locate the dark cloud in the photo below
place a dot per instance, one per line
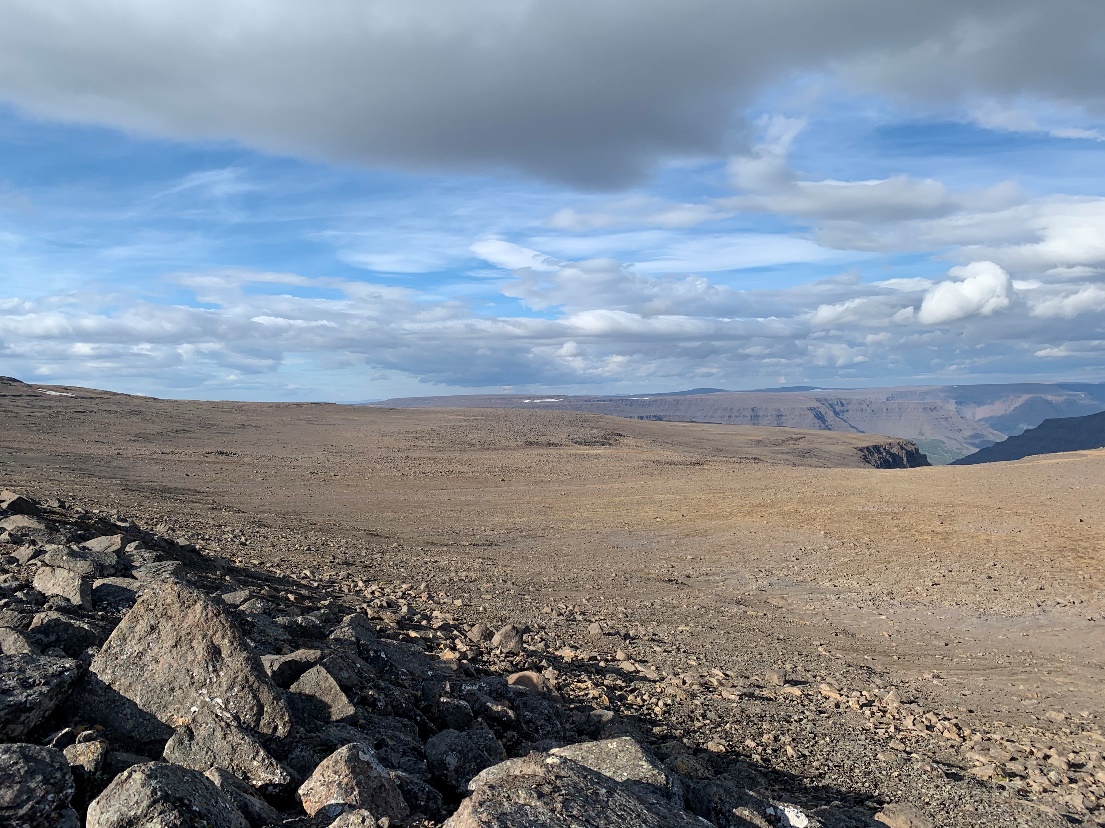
(572, 90)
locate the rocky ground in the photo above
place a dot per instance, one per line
(457, 591)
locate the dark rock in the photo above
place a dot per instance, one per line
(31, 687)
(316, 697)
(257, 812)
(16, 504)
(35, 787)
(53, 580)
(357, 632)
(160, 795)
(115, 592)
(159, 571)
(455, 758)
(351, 778)
(70, 634)
(285, 669)
(210, 741)
(174, 653)
(81, 561)
(508, 639)
(421, 797)
(16, 642)
(86, 761)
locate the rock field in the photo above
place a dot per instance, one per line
(223, 614)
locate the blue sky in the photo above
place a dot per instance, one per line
(181, 216)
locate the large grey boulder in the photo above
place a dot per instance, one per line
(177, 652)
(160, 795)
(35, 787)
(210, 741)
(350, 778)
(31, 687)
(623, 760)
(542, 791)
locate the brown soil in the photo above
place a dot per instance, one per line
(977, 590)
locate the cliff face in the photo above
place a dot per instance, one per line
(1062, 434)
(893, 454)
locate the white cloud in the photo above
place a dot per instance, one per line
(1067, 305)
(978, 289)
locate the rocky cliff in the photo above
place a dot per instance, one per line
(1062, 434)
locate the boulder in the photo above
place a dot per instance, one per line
(105, 545)
(22, 525)
(352, 778)
(317, 697)
(159, 571)
(257, 812)
(455, 758)
(542, 791)
(86, 761)
(355, 819)
(285, 669)
(31, 687)
(177, 652)
(35, 787)
(623, 760)
(53, 580)
(160, 795)
(81, 561)
(68, 633)
(211, 741)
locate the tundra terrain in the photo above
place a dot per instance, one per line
(799, 595)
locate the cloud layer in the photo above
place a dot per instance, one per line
(590, 93)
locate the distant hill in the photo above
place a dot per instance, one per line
(1049, 437)
(946, 422)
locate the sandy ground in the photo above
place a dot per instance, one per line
(978, 590)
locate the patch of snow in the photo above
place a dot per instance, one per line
(54, 393)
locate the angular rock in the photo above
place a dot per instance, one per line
(16, 642)
(81, 561)
(31, 687)
(552, 792)
(455, 758)
(352, 778)
(317, 697)
(285, 669)
(35, 787)
(105, 544)
(357, 632)
(174, 653)
(86, 761)
(160, 795)
(52, 580)
(421, 797)
(508, 639)
(623, 760)
(210, 741)
(257, 812)
(159, 571)
(22, 524)
(115, 592)
(16, 504)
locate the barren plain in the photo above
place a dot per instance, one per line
(783, 584)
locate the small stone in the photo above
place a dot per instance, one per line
(530, 680)
(359, 818)
(596, 630)
(903, 815)
(508, 639)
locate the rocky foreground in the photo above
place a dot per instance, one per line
(144, 682)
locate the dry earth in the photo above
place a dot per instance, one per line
(768, 568)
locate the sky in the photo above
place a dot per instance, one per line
(359, 199)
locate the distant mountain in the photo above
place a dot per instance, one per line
(947, 422)
(1049, 437)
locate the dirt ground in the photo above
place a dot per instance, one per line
(977, 590)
